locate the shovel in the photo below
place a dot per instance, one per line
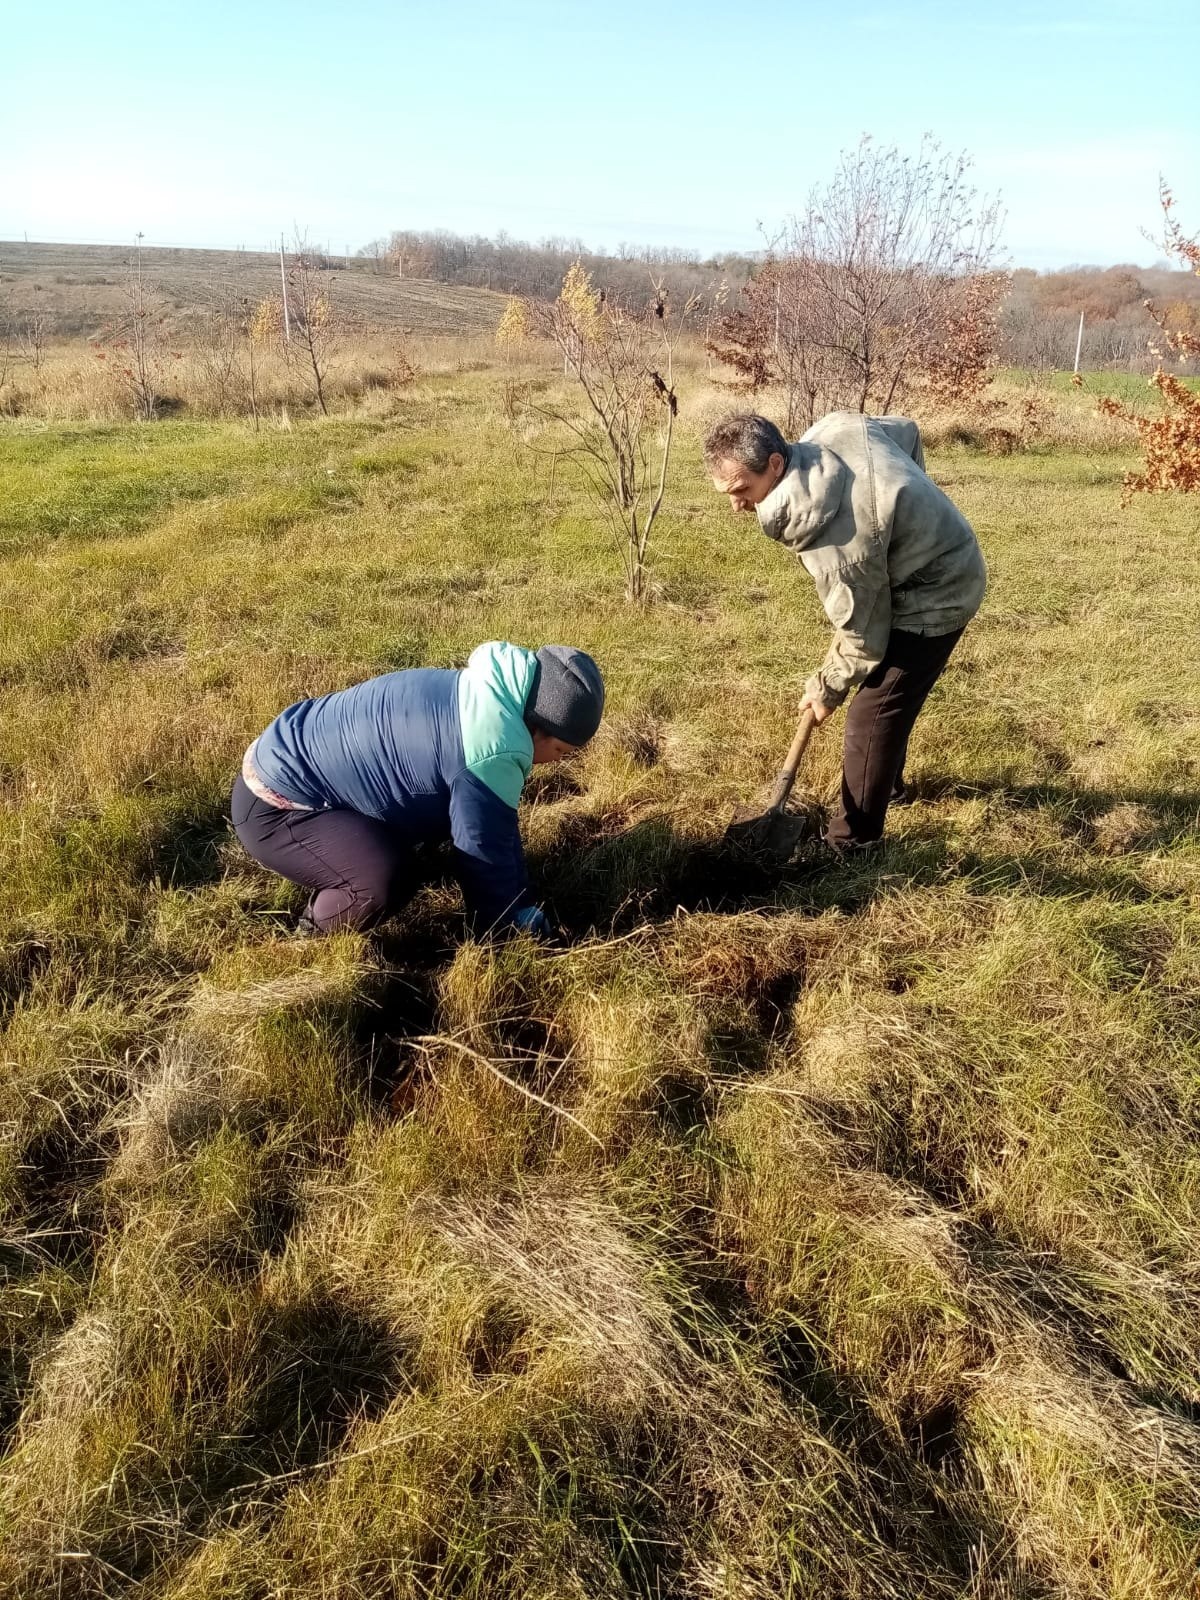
(777, 832)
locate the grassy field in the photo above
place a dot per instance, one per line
(851, 1250)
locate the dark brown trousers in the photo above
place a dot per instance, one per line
(878, 724)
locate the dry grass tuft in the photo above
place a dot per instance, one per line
(1047, 1436)
(182, 1097)
(563, 1268)
(228, 1012)
(640, 736)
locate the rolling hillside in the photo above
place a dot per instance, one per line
(80, 287)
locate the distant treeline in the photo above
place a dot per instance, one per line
(1039, 320)
(536, 270)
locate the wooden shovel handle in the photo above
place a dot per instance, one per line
(795, 755)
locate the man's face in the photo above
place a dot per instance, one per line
(747, 489)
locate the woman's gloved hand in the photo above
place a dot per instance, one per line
(532, 919)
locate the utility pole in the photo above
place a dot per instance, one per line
(287, 323)
(1079, 342)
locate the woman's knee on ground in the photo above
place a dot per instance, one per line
(366, 900)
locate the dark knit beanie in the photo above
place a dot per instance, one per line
(567, 699)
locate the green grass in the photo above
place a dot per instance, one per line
(850, 1247)
(90, 483)
(1133, 388)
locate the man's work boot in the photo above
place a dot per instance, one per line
(833, 857)
(852, 850)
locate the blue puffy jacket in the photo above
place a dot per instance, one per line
(441, 754)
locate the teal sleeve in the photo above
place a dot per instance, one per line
(503, 774)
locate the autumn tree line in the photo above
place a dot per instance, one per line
(766, 308)
(1040, 319)
(1037, 324)
(536, 271)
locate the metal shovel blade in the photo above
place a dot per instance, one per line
(774, 834)
(777, 833)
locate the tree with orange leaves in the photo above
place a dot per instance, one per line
(1171, 440)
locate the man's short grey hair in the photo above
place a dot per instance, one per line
(743, 437)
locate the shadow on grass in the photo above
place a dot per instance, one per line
(605, 883)
(597, 879)
(325, 1368)
(923, 1501)
(21, 962)
(58, 1171)
(648, 871)
(1074, 1312)
(911, 1468)
(179, 838)
(328, 1367)
(1171, 815)
(195, 845)
(415, 948)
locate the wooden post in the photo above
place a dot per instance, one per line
(287, 322)
(1079, 342)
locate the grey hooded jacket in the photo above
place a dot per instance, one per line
(886, 548)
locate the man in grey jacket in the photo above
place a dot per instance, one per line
(897, 567)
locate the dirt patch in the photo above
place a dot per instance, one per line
(639, 736)
(1124, 828)
(549, 783)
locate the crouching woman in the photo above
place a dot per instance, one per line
(340, 790)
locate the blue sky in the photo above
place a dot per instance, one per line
(667, 123)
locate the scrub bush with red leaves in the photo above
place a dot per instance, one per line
(1171, 440)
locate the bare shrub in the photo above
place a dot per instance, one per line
(883, 284)
(33, 330)
(401, 367)
(6, 340)
(622, 361)
(135, 346)
(317, 327)
(220, 347)
(763, 340)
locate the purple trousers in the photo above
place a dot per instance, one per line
(359, 870)
(878, 725)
